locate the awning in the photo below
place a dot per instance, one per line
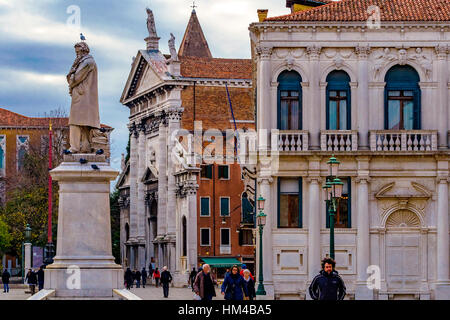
(222, 262)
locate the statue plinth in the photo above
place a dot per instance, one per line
(84, 265)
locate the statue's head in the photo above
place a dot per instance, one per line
(81, 48)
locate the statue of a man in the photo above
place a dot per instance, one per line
(151, 23)
(173, 51)
(84, 111)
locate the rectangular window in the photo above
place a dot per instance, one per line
(246, 237)
(224, 172)
(337, 110)
(289, 110)
(206, 171)
(204, 207)
(342, 219)
(289, 203)
(400, 110)
(225, 237)
(224, 206)
(2, 152)
(205, 237)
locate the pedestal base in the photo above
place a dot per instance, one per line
(442, 291)
(363, 293)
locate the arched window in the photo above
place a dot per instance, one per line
(127, 232)
(184, 236)
(402, 99)
(338, 101)
(289, 101)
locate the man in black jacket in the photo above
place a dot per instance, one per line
(144, 277)
(40, 277)
(328, 285)
(166, 278)
(5, 279)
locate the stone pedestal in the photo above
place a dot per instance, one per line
(84, 265)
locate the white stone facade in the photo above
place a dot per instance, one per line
(399, 199)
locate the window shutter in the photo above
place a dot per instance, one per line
(240, 236)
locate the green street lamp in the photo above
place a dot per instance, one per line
(28, 234)
(333, 193)
(261, 222)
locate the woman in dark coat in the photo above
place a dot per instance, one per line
(31, 279)
(233, 287)
(128, 278)
(5, 279)
(249, 283)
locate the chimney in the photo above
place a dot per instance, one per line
(262, 14)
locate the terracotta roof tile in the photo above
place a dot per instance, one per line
(12, 119)
(193, 67)
(357, 10)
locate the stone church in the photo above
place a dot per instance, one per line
(367, 81)
(169, 213)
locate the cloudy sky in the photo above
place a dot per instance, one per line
(37, 38)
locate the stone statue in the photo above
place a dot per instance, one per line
(151, 23)
(173, 51)
(84, 111)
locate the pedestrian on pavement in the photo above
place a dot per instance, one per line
(151, 269)
(40, 277)
(204, 284)
(192, 277)
(227, 272)
(249, 283)
(156, 276)
(233, 287)
(133, 278)
(31, 280)
(244, 267)
(166, 278)
(144, 277)
(5, 279)
(128, 278)
(327, 285)
(137, 276)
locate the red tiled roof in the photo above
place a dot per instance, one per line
(357, 10)
(193, 67)
(12, 119)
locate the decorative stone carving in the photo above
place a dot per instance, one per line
(442, 51)
(362, 51)
(173, 51)
(423, 61)
(403, 219)
(289, 63)
(338, 63)
(264, 52)
(175, 114)
(314, 51)
(133, 129)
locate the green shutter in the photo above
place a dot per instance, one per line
(209, 171)
(204, 207)
(224, 206)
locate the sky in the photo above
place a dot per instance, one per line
(37, 38)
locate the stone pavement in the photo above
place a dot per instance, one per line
(149, 293)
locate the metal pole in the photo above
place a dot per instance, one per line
(332, 212)
(261, 291)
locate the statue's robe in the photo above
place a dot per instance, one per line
(84, 110)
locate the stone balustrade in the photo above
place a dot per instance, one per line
(290, 140)
(403, 140)
(339, 140)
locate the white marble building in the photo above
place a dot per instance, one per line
(329, 82)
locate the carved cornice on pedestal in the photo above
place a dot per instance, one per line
(442, 51)
(314, 51)
(362, 52)
(175, 113)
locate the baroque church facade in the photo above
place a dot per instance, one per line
(169, 216)
(367, 81)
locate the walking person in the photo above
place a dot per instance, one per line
(327, 285)
(31, 280)
(137, 277)
(156, 276)
(192, 277)
(249, 283)
(40, 278)
(244, 267)
(166, 278)
(144, 277)
(204, 283)
(5, 279)
(151, 269)
(233, 287)
(128, 278)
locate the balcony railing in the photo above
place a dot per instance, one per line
(339, 140)
(290, 140)
(403, 140)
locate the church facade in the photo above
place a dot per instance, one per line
(177, 209)
(371, 86)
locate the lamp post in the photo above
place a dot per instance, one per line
(333, 192)
(261, 221)
(27, 247)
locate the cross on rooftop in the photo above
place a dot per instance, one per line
(193, 6)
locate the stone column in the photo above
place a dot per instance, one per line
(265, 191)
(442, 260)
(314, 243)
(162, 179)
(314, 97)
(133, 183)
(362, 242)
(141, 213)
(192, 227)
(362, 102)
(442, 114)
(28, 254)
(266, 111)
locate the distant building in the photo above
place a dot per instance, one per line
(175, 212)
